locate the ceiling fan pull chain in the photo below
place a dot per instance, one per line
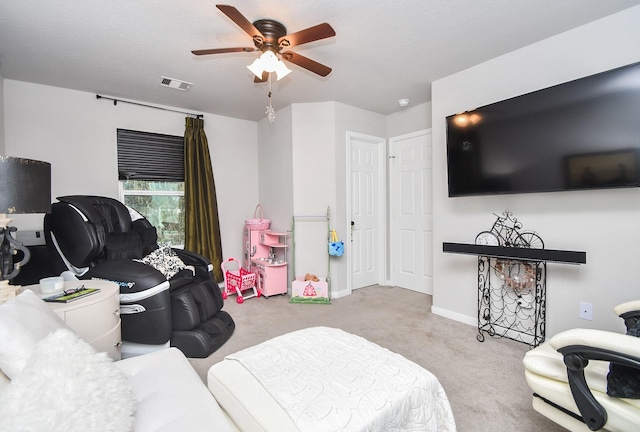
(271, 114)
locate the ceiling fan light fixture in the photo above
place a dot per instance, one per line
(268, 62)
(281, 70)
(270, 37)
(256, 68)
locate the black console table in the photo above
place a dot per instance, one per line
(512, 288)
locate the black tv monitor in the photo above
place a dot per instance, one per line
(583, 134)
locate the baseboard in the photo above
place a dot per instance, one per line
(338, 294)
(472, 321)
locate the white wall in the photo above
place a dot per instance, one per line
(2, 146)
(603, 223)
(302, 159)
(275, 180)
(313, 157)
(348, 119)
(233, 146)
(314, 170)
(410, 119)
(76, 133)
(275, 173)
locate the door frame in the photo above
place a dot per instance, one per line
(381, 144)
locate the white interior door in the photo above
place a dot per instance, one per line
(411, 212)
(366, 173)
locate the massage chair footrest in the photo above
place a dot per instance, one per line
(202, 341)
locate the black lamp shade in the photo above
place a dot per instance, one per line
(25, 185)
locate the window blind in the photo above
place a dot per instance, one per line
(150, 156)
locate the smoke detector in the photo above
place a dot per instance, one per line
(175, 84)
(403, 102)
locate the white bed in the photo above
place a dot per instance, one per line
(325, 379)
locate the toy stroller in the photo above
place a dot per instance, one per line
(237, 280)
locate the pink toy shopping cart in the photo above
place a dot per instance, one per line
(237, 280)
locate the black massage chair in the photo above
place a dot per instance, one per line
(100, 238)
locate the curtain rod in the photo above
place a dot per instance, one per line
(115, 102)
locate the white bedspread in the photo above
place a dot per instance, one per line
(330, 380)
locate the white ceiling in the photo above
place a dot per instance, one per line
(382, 51)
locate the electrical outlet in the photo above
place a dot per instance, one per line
(586, 311)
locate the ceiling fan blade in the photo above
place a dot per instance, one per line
(320, 31)
(221, 50)
(235, 16)
(265, 77)
(306, 63)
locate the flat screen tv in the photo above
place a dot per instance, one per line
(583, 134)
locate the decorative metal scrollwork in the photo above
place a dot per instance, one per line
(512, 292)
(508, 229)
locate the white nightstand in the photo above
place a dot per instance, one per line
(95, 318)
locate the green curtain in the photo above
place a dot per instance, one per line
(202, 226)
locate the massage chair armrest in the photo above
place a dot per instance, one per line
(191, 258)
(201, 264)
(131, 276)
(578, 346)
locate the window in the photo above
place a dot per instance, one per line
(162, 203)
(151, 172)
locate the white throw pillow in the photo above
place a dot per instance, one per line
(165, 260)
(67, 386)
(24, 321)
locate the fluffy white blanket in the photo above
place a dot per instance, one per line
(330, 380)
(67, 386)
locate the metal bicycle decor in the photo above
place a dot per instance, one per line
(511, 292)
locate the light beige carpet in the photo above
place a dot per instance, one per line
(484, 381)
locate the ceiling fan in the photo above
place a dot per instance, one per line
(271, 38)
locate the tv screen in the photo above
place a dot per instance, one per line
(583, 134)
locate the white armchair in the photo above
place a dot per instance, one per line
(568, 376)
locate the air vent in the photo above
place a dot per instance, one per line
(175, 84)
